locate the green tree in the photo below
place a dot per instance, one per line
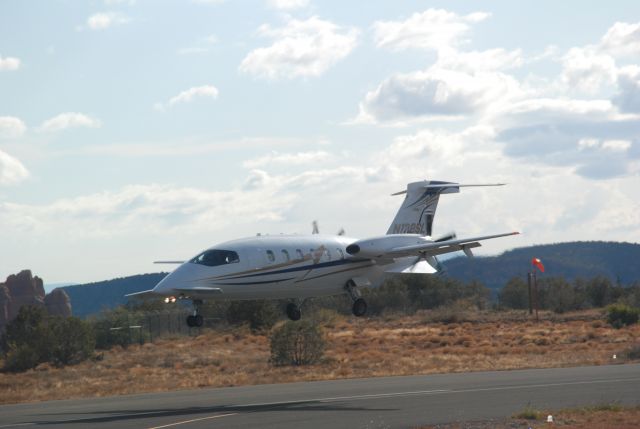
(73, 340)
(515, 294)
(260, 314)
(33, 337)
(557, 295)
(392, 295)
(619, 315)
(297, 343)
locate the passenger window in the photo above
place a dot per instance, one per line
(340, 254)
(285, 254)
(300, 254)
(327, 254)
(270, 256)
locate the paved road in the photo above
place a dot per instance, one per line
(389, 402)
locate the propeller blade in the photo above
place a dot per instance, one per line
(341, 232)
(315, 229)
(448, 236)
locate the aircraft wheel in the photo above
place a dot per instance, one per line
(359, 308)
(198, 320)
(293, 311)
(191, 321)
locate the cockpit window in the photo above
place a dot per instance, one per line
(215, 257)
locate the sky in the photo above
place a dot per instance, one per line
(138, 130)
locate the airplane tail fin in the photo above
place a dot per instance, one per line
(419, 206)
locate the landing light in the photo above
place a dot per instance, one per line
(170, 299)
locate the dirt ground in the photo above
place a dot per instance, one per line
(607, 416)
(398, 345)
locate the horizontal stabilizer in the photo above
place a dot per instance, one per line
(168, 262)
(451, 185)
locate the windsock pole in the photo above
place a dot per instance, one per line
(536, 262)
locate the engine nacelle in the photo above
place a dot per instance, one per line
(378, 246)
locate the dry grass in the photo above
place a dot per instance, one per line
(597, 417)
(356, 348)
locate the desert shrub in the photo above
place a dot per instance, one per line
(297, 343)
(73, 340)
(33, 338)
(515, 294)
(427, 292)
(632, 353)
(260, 314)
(528, 413)
(619, 315)
(21, 358)
(600, 291)
(111, 329)
(391, 296)
(558, 295)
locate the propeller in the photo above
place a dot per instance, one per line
(448, 236)
(316, 229)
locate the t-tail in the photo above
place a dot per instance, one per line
(419, 207)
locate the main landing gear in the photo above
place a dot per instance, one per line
(293, 311)
(195, 320)
(359, 307)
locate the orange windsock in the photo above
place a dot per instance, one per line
(538, 263)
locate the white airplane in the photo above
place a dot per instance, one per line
(297, 267)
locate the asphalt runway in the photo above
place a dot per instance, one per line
(387, 402)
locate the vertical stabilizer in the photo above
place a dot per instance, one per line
(419, 206)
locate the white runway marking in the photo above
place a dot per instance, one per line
(193, 420)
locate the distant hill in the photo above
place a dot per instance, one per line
(93, 297)
(617, 261)
(620, 262)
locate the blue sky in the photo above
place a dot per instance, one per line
(139, 130)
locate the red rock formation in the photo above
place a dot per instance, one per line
(58, 303)
(25, 289)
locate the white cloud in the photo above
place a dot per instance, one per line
(588, 69)
(436, 93)
(146, 209)
(299, 158)
(9, 63)
(11, 169)
(69, 120)
(436, 29)
(590, 136)
(188, 95)
(622, 39)
(301, 49)
(628, 96)
(11, 127)
(489, 60)
(104, 20)
(287, 4)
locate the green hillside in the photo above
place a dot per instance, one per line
(92, 297)
(620, 262)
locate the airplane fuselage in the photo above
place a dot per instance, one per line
(272, 267)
